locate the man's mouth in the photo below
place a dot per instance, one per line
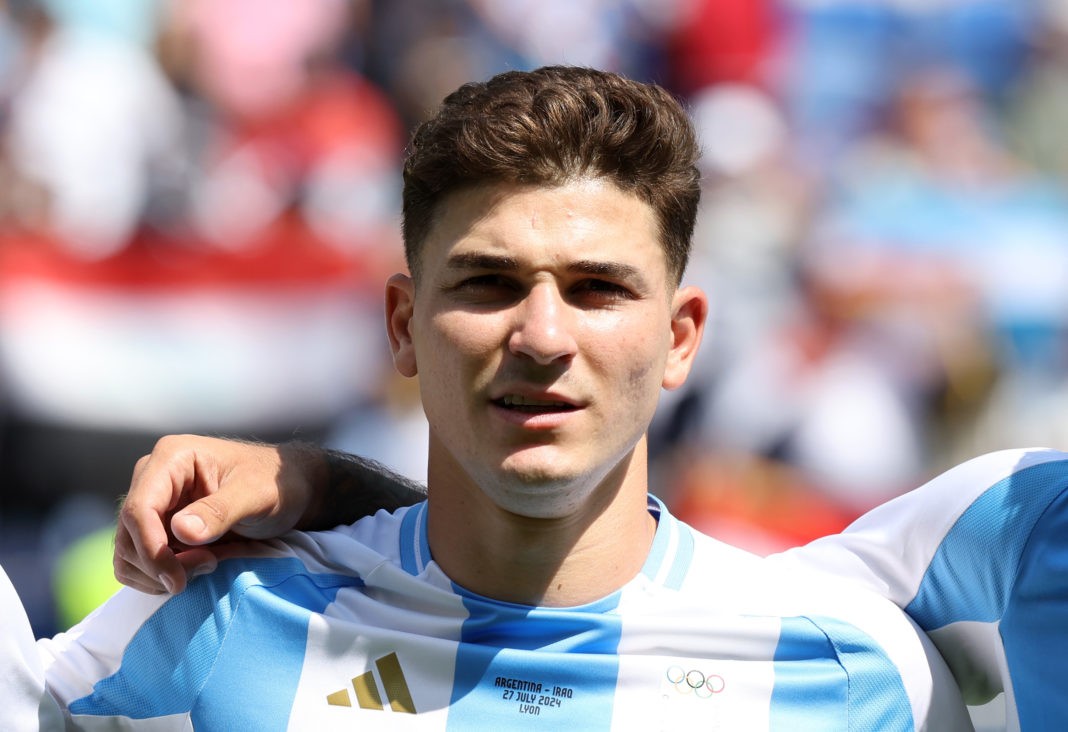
(531, 405)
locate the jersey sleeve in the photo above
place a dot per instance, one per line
(24, 702)
(137, 656)
(978, 557)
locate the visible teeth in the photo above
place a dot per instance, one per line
(518, 401)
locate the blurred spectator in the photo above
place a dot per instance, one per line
(419, 51)
(94, 101)
(309, 137)
(712, 42)
(842, 60)
(1037, 104)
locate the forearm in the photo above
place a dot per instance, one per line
(345, 487)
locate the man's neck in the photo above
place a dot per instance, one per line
(560, 562)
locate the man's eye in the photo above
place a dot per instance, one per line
(604, 289)
(483, 288)
(487, 281)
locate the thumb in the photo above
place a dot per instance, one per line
(203, 521)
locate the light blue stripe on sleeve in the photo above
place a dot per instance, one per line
(1035, 626)
(238, 630)
(973, 570)
(831, 676)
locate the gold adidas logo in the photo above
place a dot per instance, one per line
(367, 692)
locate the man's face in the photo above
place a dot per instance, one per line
(543, 327)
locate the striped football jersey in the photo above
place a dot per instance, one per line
(358, 628)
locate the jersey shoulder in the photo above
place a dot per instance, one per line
(978, 557)
(150, 657)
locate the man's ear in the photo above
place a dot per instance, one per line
(689, 311)
(400, 304)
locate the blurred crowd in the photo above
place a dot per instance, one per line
(199, 200)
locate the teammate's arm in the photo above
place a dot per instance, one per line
(24, 700)
(194, 491)
(978, 557)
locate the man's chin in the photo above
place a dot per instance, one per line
(539, 470)
(541, 492)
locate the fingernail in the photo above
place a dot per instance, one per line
(202, 569)
(193, 523)
(167, 583)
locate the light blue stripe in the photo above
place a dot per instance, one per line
(1033, 629)
(831, 676)
(541, 648)
(811, 688)
(972, 573)
(233, 629)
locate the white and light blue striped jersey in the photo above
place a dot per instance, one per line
(358, 628)
(979, 559)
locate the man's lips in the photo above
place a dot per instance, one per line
(534, 405)
(535, 409)
(534, 413)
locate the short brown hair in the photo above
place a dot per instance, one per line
(551, 126)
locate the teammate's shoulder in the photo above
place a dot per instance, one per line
(993, 467)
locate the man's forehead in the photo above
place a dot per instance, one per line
(589, 215)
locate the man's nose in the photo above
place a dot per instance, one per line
(543, 329)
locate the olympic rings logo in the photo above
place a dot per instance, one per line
(695, 682)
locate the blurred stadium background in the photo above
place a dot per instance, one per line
(199, 200)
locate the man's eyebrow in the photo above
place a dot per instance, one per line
(591, 267)
(612, 270)
(481, 261)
